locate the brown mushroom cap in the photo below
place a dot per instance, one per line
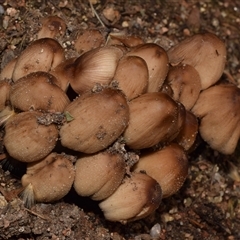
(38, 91)
(26, 140)
(4, 94)
(99, 175)
(41, 55)
(205, 52)
(52, 27)
(7, 71)
(154, 118)
(124, 40)
(64, 72)
(157, 62)
(96, 66)
(188, 134)
(137, 197)
(218, 108)
(168, 166)
(132, 76)
(88, 40)
(97, 120)
(48, 180)
(185, 83)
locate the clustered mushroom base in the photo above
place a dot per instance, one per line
(122, 135)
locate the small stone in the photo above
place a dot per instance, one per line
(125, 24)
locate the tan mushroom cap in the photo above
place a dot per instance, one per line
(26, 140)
(188, 134)
(157, 62)
(96, 66)
(52, 27)
(137, 197)
(218, 108)
(97, 120)
(185, 83)
(7, 71)
(124, 40)
(48, 180)
(38, 91)
(64, 72)
(88, 40)
(205, 52)
(168, 166)
(4, 94)
(154, 118)
(98, 175)
(41, 55)
(132, 76)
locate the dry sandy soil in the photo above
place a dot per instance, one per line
(208, 205)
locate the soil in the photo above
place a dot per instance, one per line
(208, 205)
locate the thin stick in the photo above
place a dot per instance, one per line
(96, 14)
(36, 214)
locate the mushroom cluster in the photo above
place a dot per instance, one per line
(117, 121)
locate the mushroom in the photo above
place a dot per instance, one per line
(88, 40)
(96, 66)
(64, 72)
(154, 118)
(8, 69)
(185, 83)
(157, 62)
(52, 27)
(95, 120)
(38, 91)
(128, 41)
(41, 55)
(218, 109)
(188, 134)
(205, 52)
(99, 175)
(26, 140)
(132, 76)
(137, 197)
(4, 94)
(168, 166)
(48, 180)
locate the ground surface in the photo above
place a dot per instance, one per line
(207, 207)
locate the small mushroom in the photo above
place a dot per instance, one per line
(188, 134)
(41, 55)
(64, 72)
(154, 118)
(128, 41)
(4, 94)
(96, 120)
(99, 175)
(8, 69)
(88, 40)
(96, 66)
(218, 109)
(48, 180)
(38, 91)
(52, 27)
(157, 62)
(185, 83)
(205, 52)
(132, 76)
(168, 166)
(137, 197)
(26, 140)
(5, 114)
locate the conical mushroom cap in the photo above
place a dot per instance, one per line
(219, 111)
(205, 52)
